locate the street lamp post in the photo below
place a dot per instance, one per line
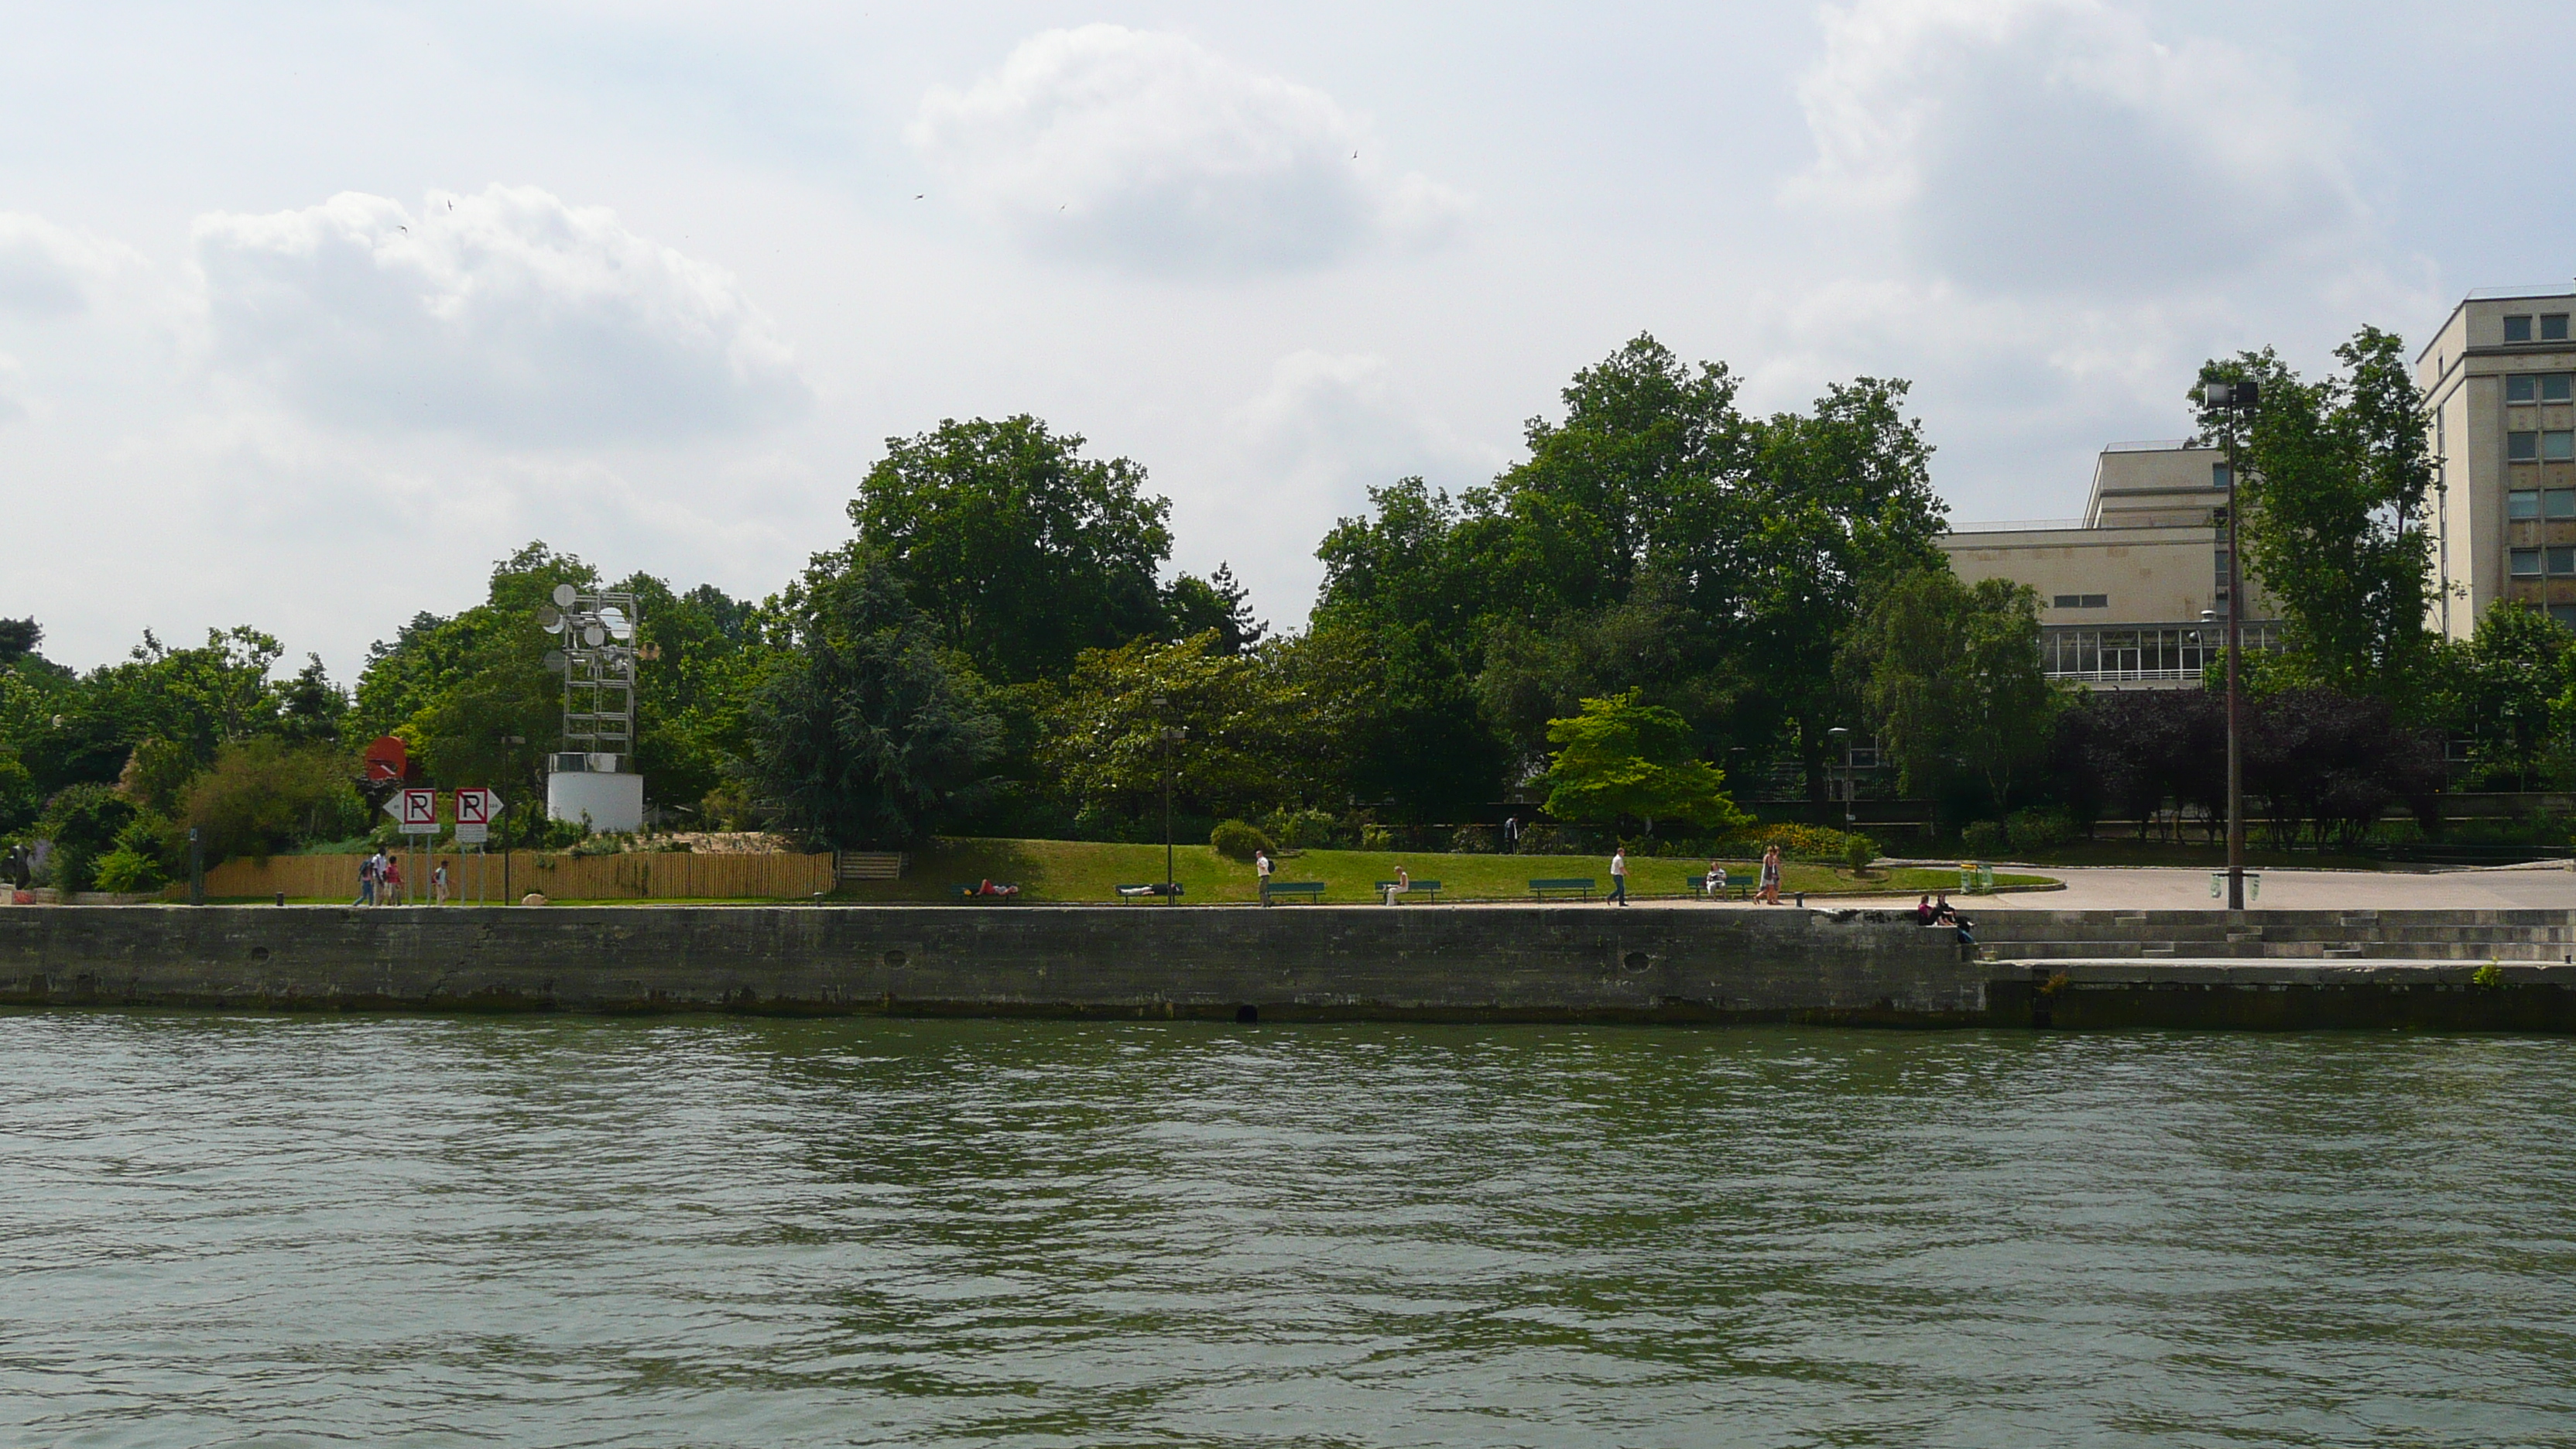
(1842, 738)
(2232, 401)
(1168, 734)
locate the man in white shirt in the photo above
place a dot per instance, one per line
(1619, 875)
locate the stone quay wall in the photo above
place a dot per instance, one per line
(1506, 963)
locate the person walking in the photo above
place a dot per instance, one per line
(1619, 875)
(1511, 833)
(366, 881)
(392, 875)
(1770, 891)
(1261, 869)
(438, 884)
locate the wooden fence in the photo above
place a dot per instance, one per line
(644, 877)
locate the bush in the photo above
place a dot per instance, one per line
(1985, 837)
(264, 795)
(128, 870)
(1236, 840)
(1796, 842)
(1303, 829)
(1376, 837)
(1858, 852)
(2039, 829)
(1476, 840)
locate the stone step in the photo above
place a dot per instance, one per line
(2272, 950)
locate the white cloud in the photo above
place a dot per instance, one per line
(1148, 150)
(2013, 144)
(508, 316)
(51, 271)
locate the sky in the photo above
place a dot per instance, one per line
(309, 313)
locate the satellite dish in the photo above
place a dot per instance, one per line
(563, 596)
(550, 618)
(593, 635)
(555, 659)
(615, 619)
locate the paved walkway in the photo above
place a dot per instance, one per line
(2165, 888)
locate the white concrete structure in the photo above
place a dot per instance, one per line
(608, 801)
(2121, 590)
(2499, 381)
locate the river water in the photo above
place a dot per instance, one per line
(421, 1231)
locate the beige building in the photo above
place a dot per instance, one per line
(2122, 590)
(2499, 383)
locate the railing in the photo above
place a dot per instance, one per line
(2507, 294)
(2152, 445)
(2017, 525)
(2123, 675)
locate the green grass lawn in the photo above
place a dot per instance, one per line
(1091, 871)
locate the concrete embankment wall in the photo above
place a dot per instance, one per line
(1534, 963)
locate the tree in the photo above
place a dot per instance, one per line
(2334, 476)
(1197, 605)
(1950, 675)
(2504, 691)
(264, 795)
(1250, 745)
(1024, 552)
(18, 639)
(1620, 758)
(861, 733)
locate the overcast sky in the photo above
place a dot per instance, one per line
(309, 313)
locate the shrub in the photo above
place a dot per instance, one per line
(1985, 837)
(1476, 840)
(127, 870)
(263, 795)
(1376, 837)
(1303, 829)
(1858, 852)
(1796, 842)
(2039, 829)
(1236, 840)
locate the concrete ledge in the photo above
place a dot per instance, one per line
(1324, 962)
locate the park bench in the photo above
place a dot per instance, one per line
(1420, 887)
(1583, 884)
(1313, 889)
(1150, 889)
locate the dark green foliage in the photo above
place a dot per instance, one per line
(1023, 552)
(18, 639)
(82, 821)
(1949, 676)
(1236, 840)
(861, 733)
(2334, 476)
(1197, 605)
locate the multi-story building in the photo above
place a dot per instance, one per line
(2134, 593)
(2499, 382)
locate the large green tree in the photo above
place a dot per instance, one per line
(2333, 477)
(1949, 675)
(1022, 550)
(1620, 758)
(861, 732)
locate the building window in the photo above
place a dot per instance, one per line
(2521, 447)
(2563, 615)
(2083, 601)
(2522, 503)
(2218, 476)
(2556, 387)
(2558, 446)
(2553, 326)
(2517, 329)
(2562, 561)
(2562, 502)
(2526, 563)
(2522, 387)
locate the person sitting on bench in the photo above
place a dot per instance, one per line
(1715, 884)
(1403, 882)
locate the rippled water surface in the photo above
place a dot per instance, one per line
(424, 1231)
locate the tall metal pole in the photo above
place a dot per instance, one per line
(2235, 695)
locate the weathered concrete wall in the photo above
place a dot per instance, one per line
(1537, 963)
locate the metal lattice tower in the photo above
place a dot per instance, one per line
(598, 665)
